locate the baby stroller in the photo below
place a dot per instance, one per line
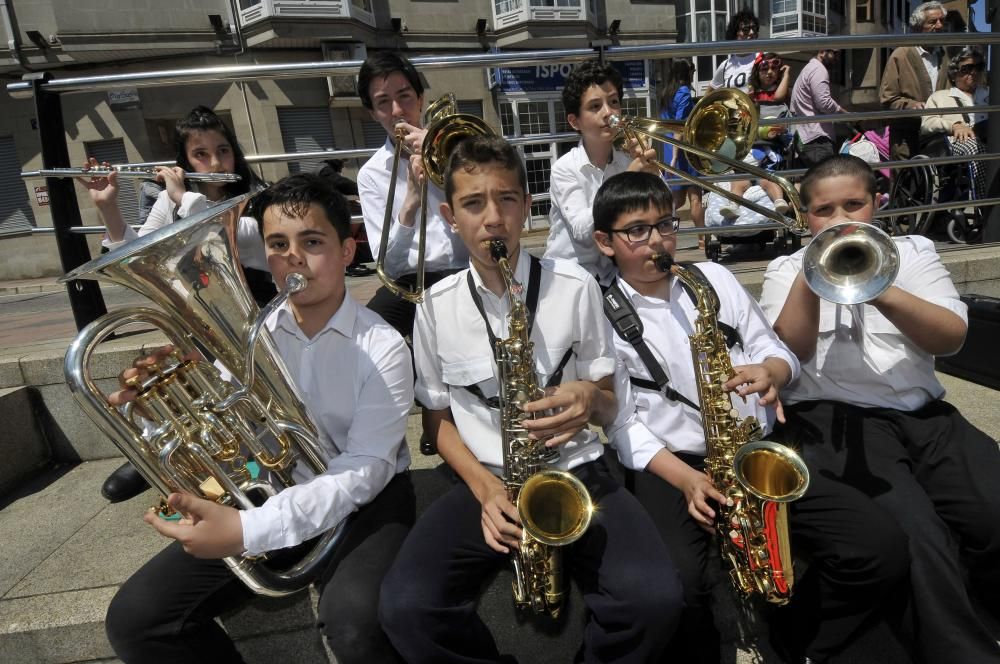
(771, 156)
(873, 147)
(929, 184)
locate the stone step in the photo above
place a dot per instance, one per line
(24, 446)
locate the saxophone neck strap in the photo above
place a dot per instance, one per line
(624, 318)
(530, 304)
(731, 334)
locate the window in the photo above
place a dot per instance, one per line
(306, 130)
(363, 5)
(15, 208)
(554, 3)
(701, 21)
(864, 11)
(507, 6)
(798, 16)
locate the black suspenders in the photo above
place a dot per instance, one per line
(531, 304)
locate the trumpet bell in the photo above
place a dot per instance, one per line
(555, 507)
(771, 471)
(850, 263)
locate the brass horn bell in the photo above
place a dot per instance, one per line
(446, 128)
(850, 263)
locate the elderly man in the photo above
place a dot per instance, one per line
(911, 75)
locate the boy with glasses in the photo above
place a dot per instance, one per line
(660, 430)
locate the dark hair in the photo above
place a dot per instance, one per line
(336, 164)
(480, 151)
(382, 65)
(835, 166)
(744, 17)
(681, 70)
(202, 118)
(295, 193)
(585, 75)
(755, 72)
(630, 191)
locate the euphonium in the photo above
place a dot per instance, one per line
(208, 434)
(716, 137)
(445, 128)
(554, 506)
(850, 262)
(759, 477)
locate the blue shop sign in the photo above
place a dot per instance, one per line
(549, 78)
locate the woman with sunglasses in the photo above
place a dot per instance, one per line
(963, 127)
(734, 72)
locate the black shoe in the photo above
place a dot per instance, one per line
(124, 483)
(358, 270)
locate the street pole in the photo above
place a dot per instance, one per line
(85, 297)
(991, 219)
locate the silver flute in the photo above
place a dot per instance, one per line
(139, 172)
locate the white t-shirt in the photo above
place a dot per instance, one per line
(734, 72)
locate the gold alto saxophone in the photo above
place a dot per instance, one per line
(759, 477)
(554, 506)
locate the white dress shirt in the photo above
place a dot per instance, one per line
(573, 186)
(356, 380)
(861, 357)
(667, 326)
(451, 349)
(165, 211)
(443, 248)
(932, 63)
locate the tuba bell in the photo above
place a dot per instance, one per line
(850, 263)
(716, 137)
(236, 444)
(446, 127)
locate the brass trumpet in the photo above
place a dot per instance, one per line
(125, 171)
(446, 127)
(716, 137)
(850, 263)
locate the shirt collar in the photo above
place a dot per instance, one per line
(342, 321)
(639, 298)
(521, 272)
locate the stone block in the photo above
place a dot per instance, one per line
(23, 444)
(73, 435)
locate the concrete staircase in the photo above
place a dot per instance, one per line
(66, 550)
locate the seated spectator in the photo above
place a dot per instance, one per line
(961, 126)
(769, 86)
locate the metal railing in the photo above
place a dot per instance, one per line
(69, 231)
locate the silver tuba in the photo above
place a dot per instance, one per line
(850, 263)
(234, 443)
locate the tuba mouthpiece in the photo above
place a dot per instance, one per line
(295, 282)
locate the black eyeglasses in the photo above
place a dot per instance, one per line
(641, 232)
(748, 30)
(972, 68)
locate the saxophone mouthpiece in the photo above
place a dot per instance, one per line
(498, 250)
(663, 262)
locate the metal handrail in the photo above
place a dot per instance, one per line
(234, 73)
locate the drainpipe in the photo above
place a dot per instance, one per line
(234, 8)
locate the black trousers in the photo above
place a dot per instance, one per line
(632, 591)
(815, 151)
(936, 475)
(395, 310)
(850, 577)
(165, 613)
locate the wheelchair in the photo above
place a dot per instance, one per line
(929, 184)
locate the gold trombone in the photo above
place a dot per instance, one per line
(716, 137)
(446, 127)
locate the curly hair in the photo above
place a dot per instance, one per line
(743, 18)
(584, 76)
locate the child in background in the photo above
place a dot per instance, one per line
(676, 104)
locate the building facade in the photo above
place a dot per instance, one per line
(107, 37)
